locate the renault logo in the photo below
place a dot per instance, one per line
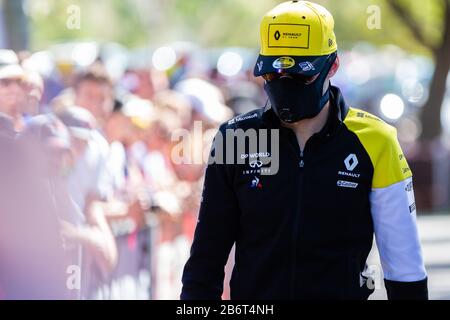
(277, 35)
(351, 162)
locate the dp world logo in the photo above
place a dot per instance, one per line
(351, 162)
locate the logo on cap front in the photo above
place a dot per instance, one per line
(307, 66)
(284, 63)
(277, 35)
(260, 65)
(288, 35)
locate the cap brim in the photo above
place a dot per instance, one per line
(308, 66)
(12, 72)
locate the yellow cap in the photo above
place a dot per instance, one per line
(296, 37)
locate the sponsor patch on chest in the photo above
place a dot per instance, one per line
(347, 184)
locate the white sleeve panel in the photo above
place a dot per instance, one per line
(394, 216)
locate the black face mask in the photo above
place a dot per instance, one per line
(293, 100)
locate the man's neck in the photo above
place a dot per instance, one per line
(305, 129)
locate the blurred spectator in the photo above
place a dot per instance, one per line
(107, 166)
(85, 187)
(33, 260)
(12, 93)
(207, 101)
(93, 91)
(130, 196)
(169, 100)
(145, 83)
(92, 187)
(34, 89)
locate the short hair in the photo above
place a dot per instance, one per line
(96, 73)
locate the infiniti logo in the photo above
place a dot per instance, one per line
(256, 164)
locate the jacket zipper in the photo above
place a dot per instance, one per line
(296, 226)
(302, 161)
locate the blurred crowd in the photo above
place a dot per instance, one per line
(87, 166)
(102, 156)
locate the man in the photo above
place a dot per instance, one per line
(88, 189)
(34, 88)
(94, 92)
(306, 231)
(29, 231)
(13, 97)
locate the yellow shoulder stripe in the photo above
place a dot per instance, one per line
(380, 141)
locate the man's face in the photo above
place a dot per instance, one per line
(296, 97)
(12, 96)
(96, 97)
(306, 80)
(119, 128)
(34, 96)
(300, 78)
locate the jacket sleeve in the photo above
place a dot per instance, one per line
(215, 233)
(394, 215)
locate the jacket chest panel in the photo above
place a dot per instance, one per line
(330, 194)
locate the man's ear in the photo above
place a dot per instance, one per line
(334, 67)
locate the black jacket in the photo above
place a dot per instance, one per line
(303, 228)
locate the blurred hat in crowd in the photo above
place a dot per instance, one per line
(168, 202)
(12, 71)
(46, 131)
(8, 57)
(140, 111)
(9, 65)
(173, 100)
(79, 121)
(205, 99)
(174, 109)
(41, 62)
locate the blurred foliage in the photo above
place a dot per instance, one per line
(351, 23)
(101, 20)
(219, 23)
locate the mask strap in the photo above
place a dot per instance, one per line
(326, 96)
